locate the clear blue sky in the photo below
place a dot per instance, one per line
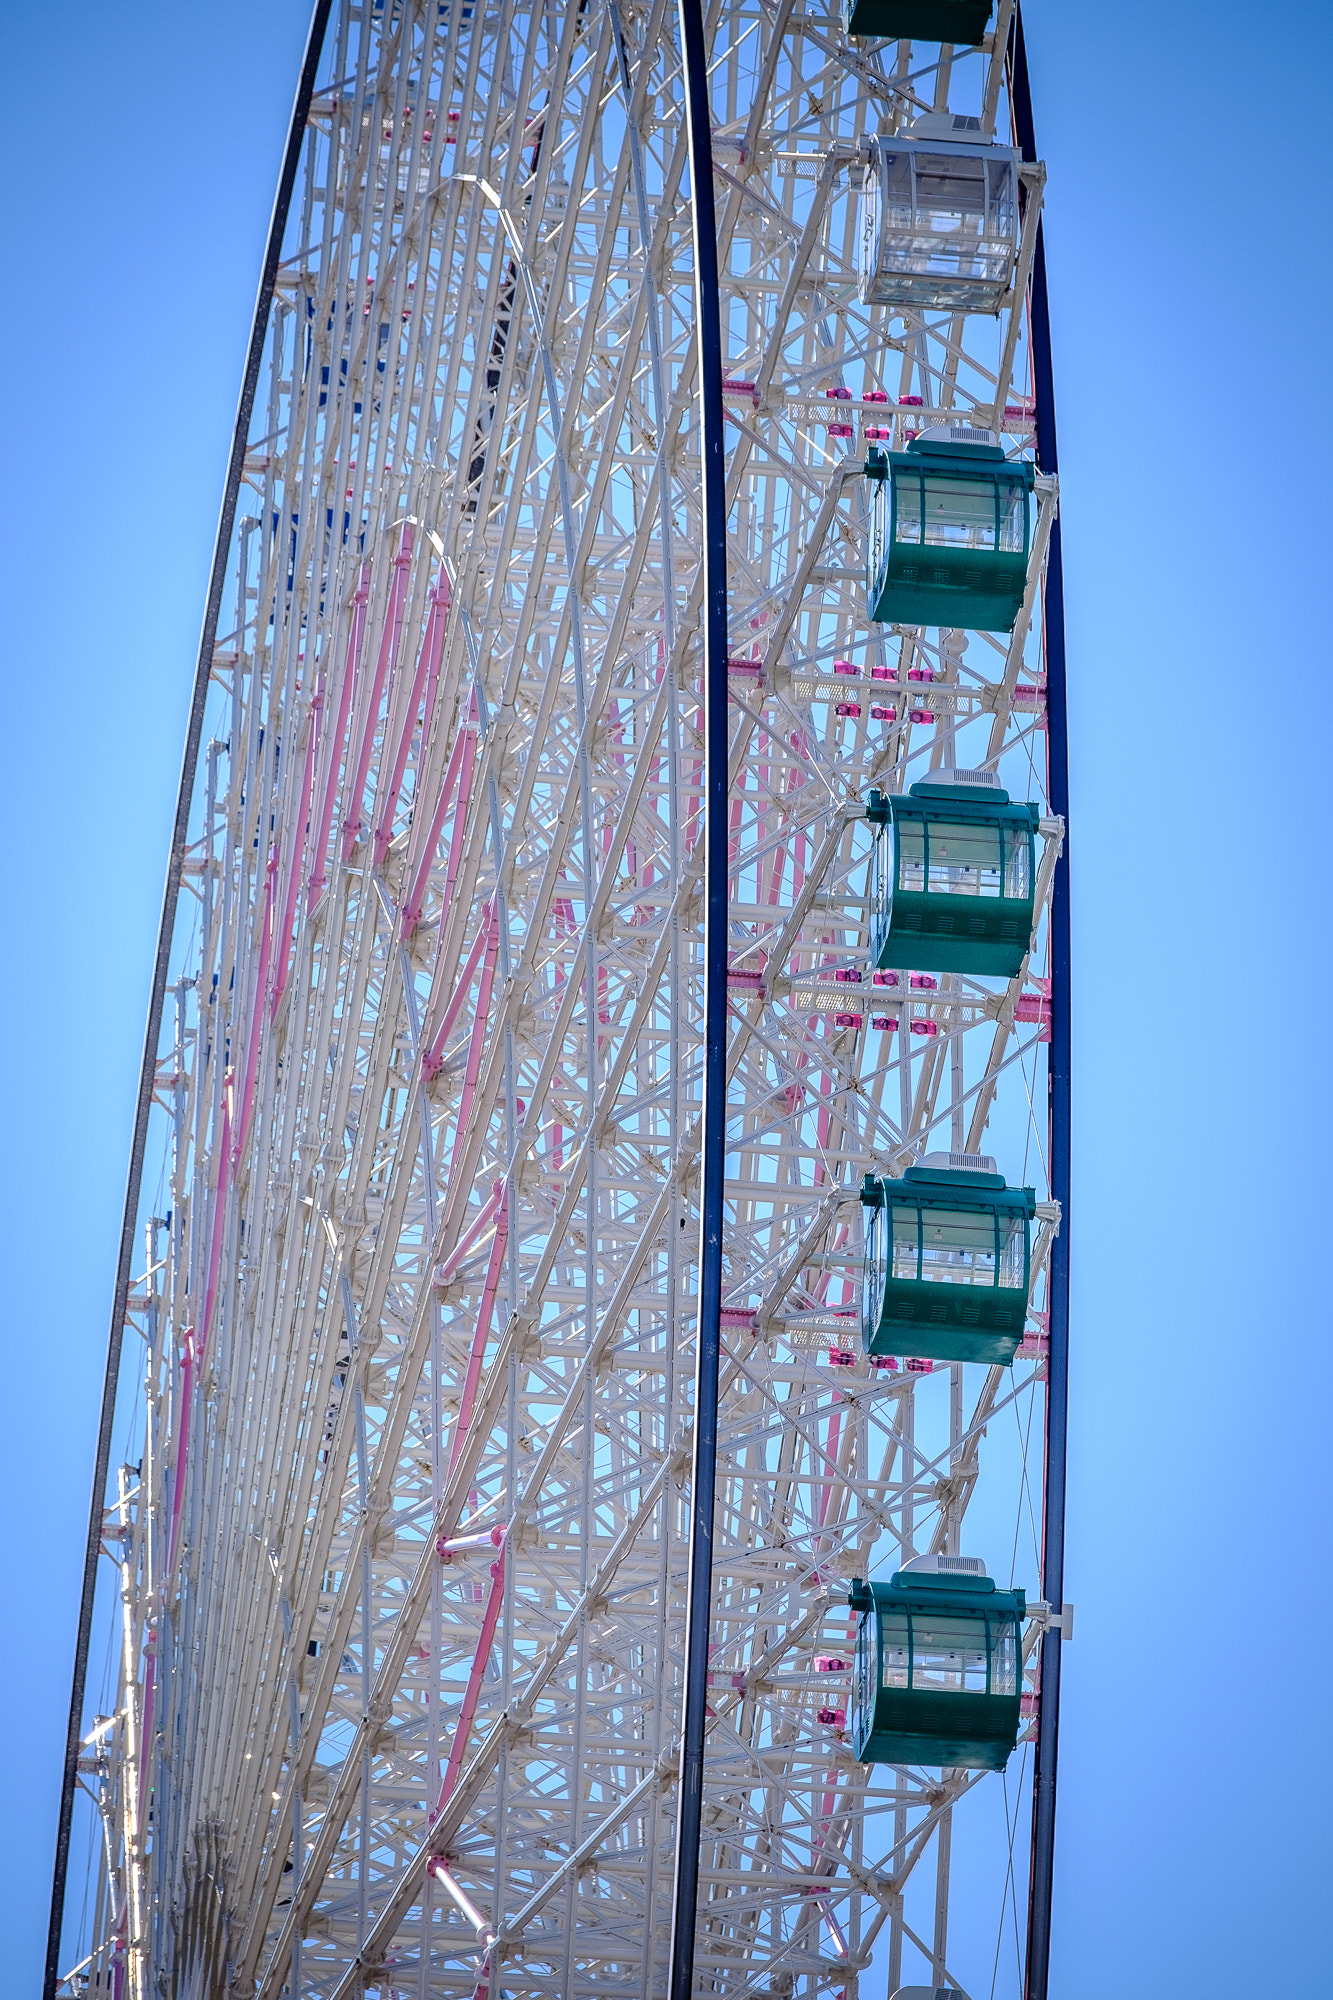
(1186, 231)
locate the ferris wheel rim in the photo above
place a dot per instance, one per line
(291, 160)
(193, 744)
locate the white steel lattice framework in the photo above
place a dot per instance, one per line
(401, 1565)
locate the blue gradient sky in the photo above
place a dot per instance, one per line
(1186, 229)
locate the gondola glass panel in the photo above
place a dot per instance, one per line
(952, 879)
(1013, 520)
(1018, 868)
(957, 1247)
(962, 22)
(958, 513)
(872, 1267)
(948, 533)
(954, 1286)
(895, 1650)
(906, 1244)
(949, 1655)
(939, 218)
(936, 1676)
(1013, 1271)
(1004, 1658)
(910, 837)
(965, 859)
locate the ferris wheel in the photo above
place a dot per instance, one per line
(597, 1523)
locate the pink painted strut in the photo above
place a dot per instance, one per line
(146, 1720)
(433, 1058)
(458, 777)
(216, 1226)
(463, 1728)
(483, 1332)
(454, 1888)
(182, 1452)
(480, 1022)
(320, 850)
(195, 1351)
(485, 1216)
(354, 825)
(428, 670)
(489, 1538)
(257, 1001)
(298, 833)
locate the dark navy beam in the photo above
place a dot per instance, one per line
(685, 1890)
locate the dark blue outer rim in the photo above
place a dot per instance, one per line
(685, 1889)
(175, 868)
(1036, 1984)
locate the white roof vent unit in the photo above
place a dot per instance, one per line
(944, 1566)
(949, 125)
(979, 781)
(969, 434)
(961, 1163)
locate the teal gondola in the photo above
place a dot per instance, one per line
(962, 22)
(953, 877)
(947, 1261)
(938, 1670)
(949, 534)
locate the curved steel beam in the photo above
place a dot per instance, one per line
(704, 1473)
(1058, 1101)
(175, 868)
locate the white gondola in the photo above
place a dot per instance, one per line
(939, 218)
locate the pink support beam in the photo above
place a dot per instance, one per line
(216, 1227)
(195, 1350)
(480, 1022)
(433, 1058)
(455, 1890)
(319, 852)
(256, 1027)
(299, 829)
(146, 1718)
(830, 1461)
(832, 1925)
(457, 779)
(354, 825)
(182, 1452)
(483, 1330)
(826, 1809)
(485, 1216)
(793, 782)
(490, 1618)
(455, 1545)
(425, 681)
